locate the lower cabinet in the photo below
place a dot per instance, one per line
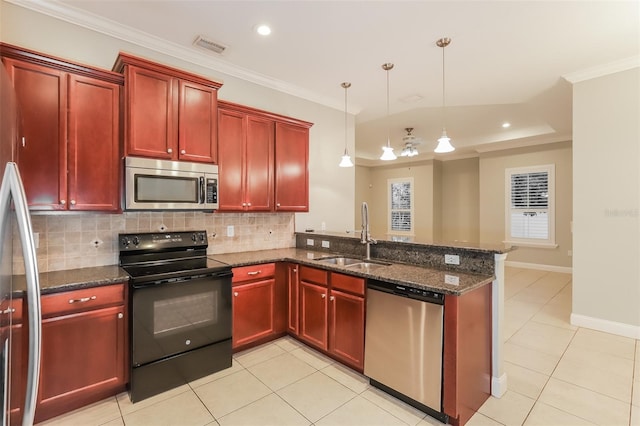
(83, 349)
(332, 312)
(259, 303)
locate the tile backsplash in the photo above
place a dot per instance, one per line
(87, 239)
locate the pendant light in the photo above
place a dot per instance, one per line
(346, 159)
(387, 151)
(444, 142)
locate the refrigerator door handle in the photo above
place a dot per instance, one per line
(12, 188)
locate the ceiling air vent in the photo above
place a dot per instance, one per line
(211, 45)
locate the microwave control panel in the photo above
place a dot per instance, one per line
(212, 191)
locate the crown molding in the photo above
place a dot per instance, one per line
(188, 54)
(602, 70)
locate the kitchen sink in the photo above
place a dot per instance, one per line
(352, 262)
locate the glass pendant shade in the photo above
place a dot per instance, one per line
(444, 144)
(387, 153)
(346, 160)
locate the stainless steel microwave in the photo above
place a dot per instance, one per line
(170, 185)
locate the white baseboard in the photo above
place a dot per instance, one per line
(499, 385)
(619, 328)
(539, 266)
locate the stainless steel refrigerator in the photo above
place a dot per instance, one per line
(16, 244)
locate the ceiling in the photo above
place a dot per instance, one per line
(508, 60)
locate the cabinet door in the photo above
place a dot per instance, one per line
(259, 164)
(94, 130)
(253, 311)
(83, 360)
(346, 335)
(292, 168)
(231, 146)
(313, 314)
(198, 117)
(292, 296)
(152, 110)
(42, 104)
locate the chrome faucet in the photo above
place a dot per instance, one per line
(365, 234)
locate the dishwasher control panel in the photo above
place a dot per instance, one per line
(407, 291)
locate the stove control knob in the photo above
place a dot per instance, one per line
(126, 242)
(202, 237)
(136, 241)
(194, 237)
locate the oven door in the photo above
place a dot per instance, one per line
(175, 317)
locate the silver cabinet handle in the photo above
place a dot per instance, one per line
(244, 204)
(254, 272)
(184, 151)
(277, 204)
(8, 311)
(248, 204)
(63, 202)
(120, 315)
(295, 269)
(24, 142)
(332, 298)
(82, 299)
(235, 293)
(169, 151)
(323, 295)
(73, 202)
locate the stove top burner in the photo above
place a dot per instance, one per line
(148, 257)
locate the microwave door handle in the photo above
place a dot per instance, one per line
(202, 190)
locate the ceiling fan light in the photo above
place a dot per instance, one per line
(444, 144)
(387, 154)
(413, 152)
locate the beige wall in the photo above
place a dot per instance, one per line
(460, 200)
(606, 157)
(373, 182)
(330, 186)
(492, 199)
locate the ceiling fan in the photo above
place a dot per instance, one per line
(410, 142)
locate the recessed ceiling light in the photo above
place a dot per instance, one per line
(263, 30)
(506, 125)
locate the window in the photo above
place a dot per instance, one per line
(400, 204)
(530, 203)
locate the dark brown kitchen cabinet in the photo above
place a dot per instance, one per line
(83, 349)
(254, 303)
(332, 312)
(70, 131)
(292, 168)
(169, 114)
(293, 287)
(245, 151)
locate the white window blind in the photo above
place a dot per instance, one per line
(401, 206)
(530, 202)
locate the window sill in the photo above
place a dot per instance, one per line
(510, 244)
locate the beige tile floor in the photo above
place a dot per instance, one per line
(557, 375)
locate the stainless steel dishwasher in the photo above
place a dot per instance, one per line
(403, 344)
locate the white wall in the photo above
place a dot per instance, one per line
(606, 201)
(331, 187)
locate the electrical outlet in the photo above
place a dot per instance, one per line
(451, 259)
(230, 231)
(310, 242)
(451, 279)
(325, 244)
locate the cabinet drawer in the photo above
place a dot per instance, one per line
(80, 300)
(314, 275)
(348, 283)
(253, 272)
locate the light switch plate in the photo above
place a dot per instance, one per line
(325, 244)
(230, 231)
(310, 242)
(451, 279)
(451, 259)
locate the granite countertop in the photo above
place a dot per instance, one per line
(398, 273)
(73, 279)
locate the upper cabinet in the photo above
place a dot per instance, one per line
(69, 148)
(263, 160)
(169, 114)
